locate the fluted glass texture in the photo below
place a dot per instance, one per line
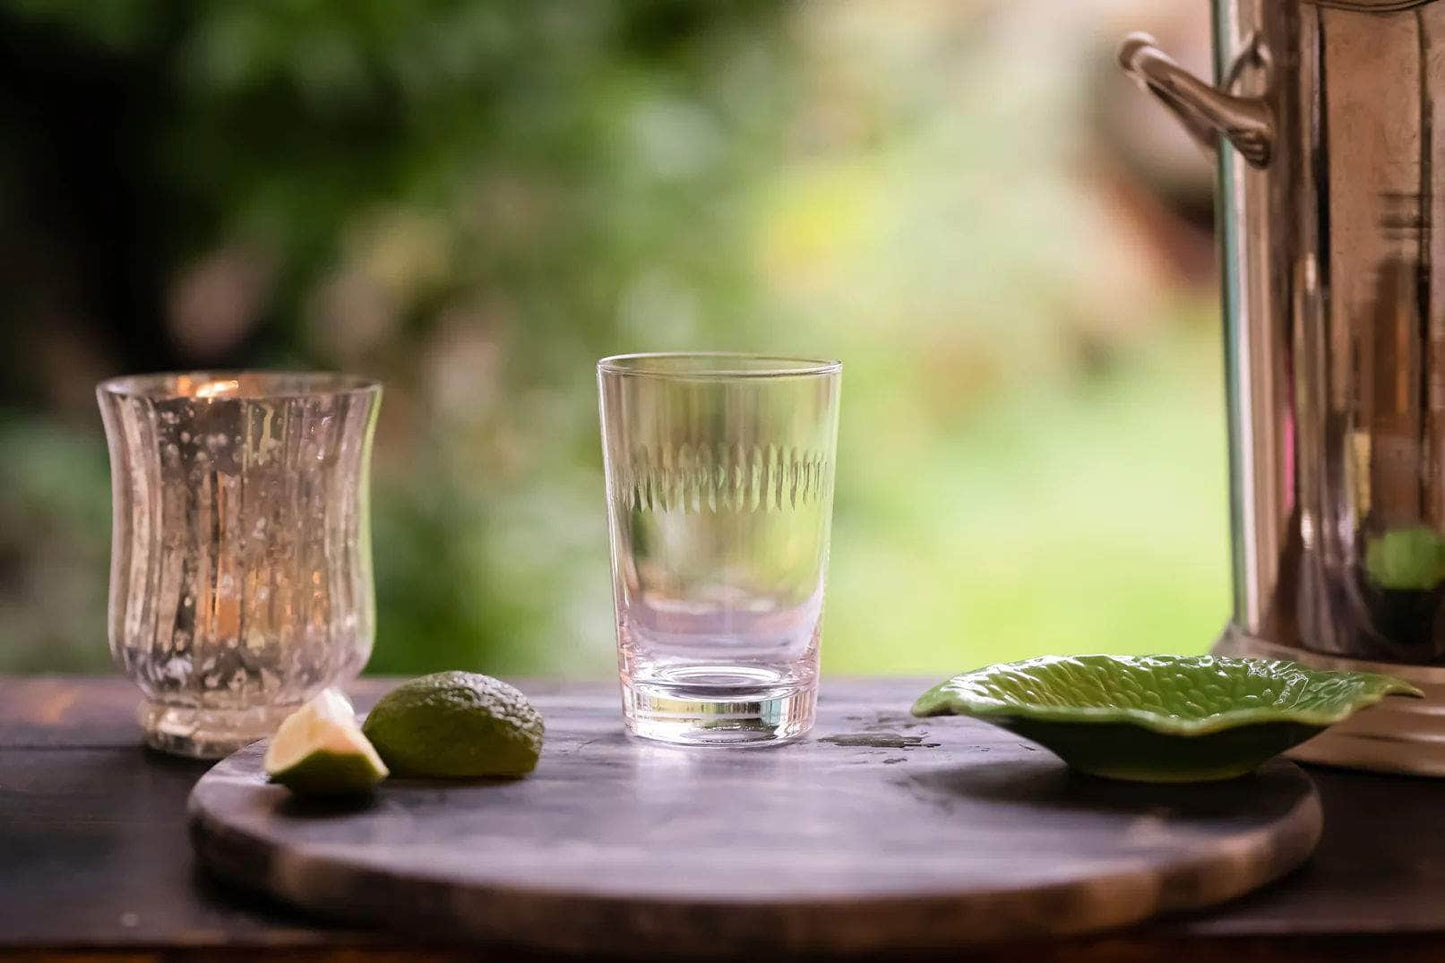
(241, 578)
(720, 492)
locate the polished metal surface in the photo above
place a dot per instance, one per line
(1328, 121)
(1205, 111)
(1336, 319)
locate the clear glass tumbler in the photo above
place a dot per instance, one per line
(719, 502)
(240, 580)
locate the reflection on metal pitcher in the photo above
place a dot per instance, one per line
(1331, 117)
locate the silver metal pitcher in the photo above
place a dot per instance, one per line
(1328, 118)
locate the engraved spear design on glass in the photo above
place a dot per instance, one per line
(241, 556)
(719, 497)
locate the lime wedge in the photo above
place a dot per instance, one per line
(456, 725)
(319, 750)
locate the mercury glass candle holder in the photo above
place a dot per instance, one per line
(240, 577)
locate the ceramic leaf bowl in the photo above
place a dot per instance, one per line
(1160, 718)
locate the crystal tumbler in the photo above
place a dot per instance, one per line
(719, 501)
(240, 581)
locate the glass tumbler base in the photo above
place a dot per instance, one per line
(207, 733)
(737, 718)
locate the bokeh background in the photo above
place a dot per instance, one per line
(1008, 246)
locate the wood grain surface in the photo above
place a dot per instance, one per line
(95, 866)
(879, 832)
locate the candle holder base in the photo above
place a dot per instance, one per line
(207, 733)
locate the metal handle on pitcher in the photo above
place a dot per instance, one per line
(1205, 111)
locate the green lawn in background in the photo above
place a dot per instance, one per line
(1086, 517)
(472, 202)
(1083, 519)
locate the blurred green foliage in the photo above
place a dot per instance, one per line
(474, 200)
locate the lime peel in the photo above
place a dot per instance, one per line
(456, 725)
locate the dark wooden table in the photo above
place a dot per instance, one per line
(95, 863)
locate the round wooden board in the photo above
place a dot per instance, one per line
(878, 831)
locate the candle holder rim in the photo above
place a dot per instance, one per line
(264, 384)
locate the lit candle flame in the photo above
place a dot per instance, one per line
(213, 388)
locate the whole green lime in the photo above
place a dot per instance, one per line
(456, 725)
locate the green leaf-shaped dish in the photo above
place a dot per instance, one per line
(1160, 718)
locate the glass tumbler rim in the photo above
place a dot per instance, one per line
(710, 365)
(237, 384)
